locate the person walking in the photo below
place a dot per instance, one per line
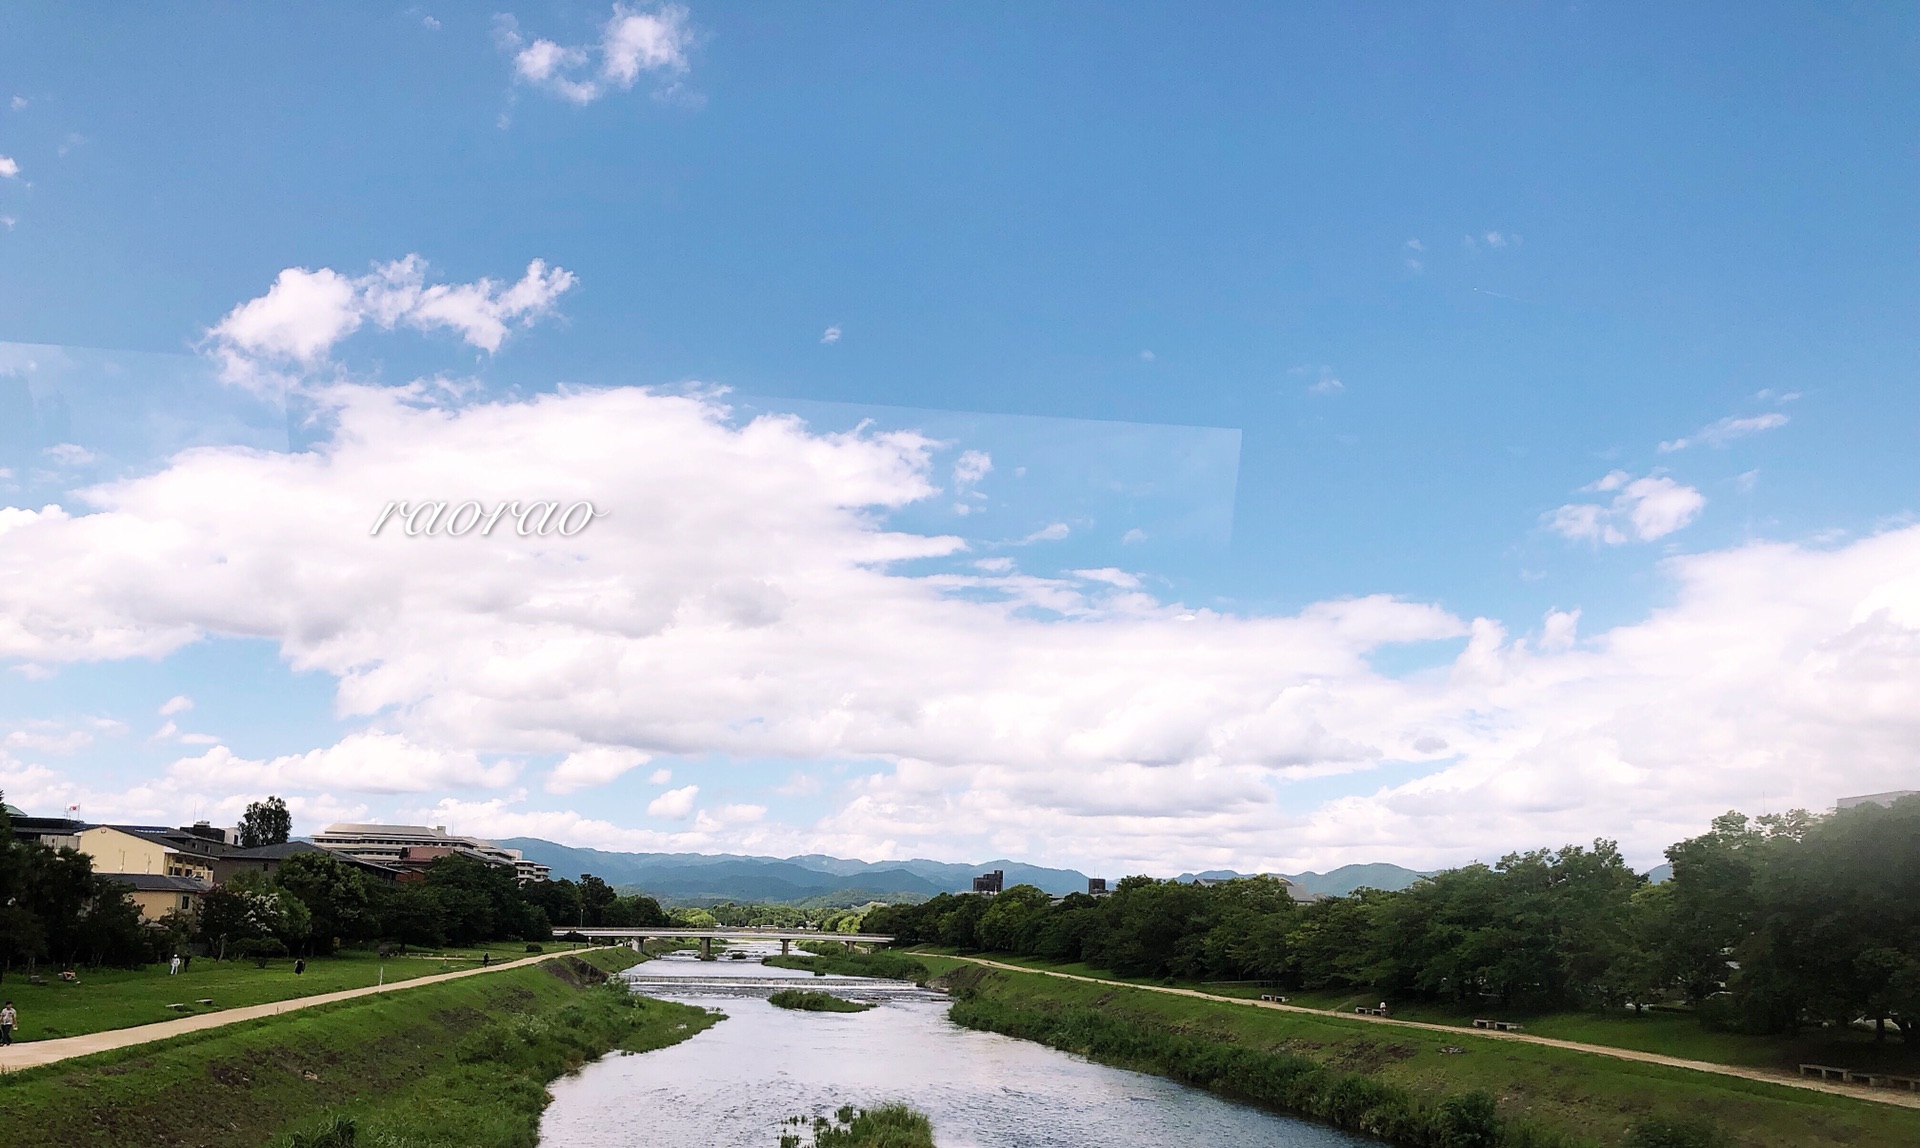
(8, 1019)
(173, 966)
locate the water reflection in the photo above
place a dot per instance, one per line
(730, 1086)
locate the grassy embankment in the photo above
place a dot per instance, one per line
(804, 1000)
(1406, 1085)
(886, 964)
(889, 1126)
(1668, 1032)
(121, 998)
(457, 1065)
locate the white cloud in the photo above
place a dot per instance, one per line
(660, 777)
(596, 766)
(1724, 431)
(1111, 576)
(1327, 385)
(69, 454)
(1415, 245)
(17, 103)
(674, 804)
(1052, 532)
(9, 169)
(47, 737)
(1133, 537)
(366, 762)
(1495, 239)
(746, 598)
(305, 313)
(830, 335)
(178, 704)
(1643, 509)
(633, 42)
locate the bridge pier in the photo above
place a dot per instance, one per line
(706, 948)
(786, 945)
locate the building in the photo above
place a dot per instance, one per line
(53, 832)
(413, 846)
(1876, 798)
(157, 894)
(1096, 886)
(150, 850)
(990, 883)
(268, 858)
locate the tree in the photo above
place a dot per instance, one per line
(334, 892)
(266, 823)
(251, 908)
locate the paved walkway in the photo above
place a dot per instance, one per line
(34, 1053)
(1856, 1091)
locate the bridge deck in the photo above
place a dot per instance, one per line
(740, 934)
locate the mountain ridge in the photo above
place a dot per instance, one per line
(695, 877)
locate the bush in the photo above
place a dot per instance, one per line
(1468, 1121)
(806, 1000)
(533, 948)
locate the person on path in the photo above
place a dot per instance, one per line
(486, 959)
(8, 1019)
(173, 966)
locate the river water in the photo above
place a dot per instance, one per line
(732, 1085)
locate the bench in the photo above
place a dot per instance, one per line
(1499, 1025)
(1273, 998)
(1870, 1079)
(1365, 1011)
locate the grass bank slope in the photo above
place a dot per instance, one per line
(462, 1064)
(1408, 1086)
(104, 999)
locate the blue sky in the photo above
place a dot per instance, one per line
(1323, 301)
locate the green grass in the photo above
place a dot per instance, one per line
(457, 1065)
(1668, 1032)
(889, 1126)
(885, 964)
(1562, 1096)
(806, 1000)
(121, 998)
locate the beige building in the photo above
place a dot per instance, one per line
(157, 894)
(131, 851)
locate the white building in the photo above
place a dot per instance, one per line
(1876, 798)
(387, 845)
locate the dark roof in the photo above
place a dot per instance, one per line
(159, 883)
(46, 826)
(288, 849)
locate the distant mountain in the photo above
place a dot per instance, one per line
(731, 877)
(1660, 873)
(1338, 883)
(707, 877)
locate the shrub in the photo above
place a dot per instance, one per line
(259, 950)
(1469, 1120)
(338, 1132)
(533, 948)
(806, 1000)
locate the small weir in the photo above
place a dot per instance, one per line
(731, 1086)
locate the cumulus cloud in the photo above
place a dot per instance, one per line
(1642, 509)
(9, 169)
(745, 596)
(366, 762)
(178, 704)
(674, 804)
(1724, 431)
(831, 334)
(305, 313)
(633, 42)
(596, 766)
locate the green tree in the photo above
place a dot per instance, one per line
(265, 823)
(334, 892)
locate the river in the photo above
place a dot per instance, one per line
(731, 1086)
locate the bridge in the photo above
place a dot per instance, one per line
(707, 937)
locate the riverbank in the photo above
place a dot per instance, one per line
(105, 999)
(1405, 1085)
(460, 1064)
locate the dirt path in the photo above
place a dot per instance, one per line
(1856, 1091)
(34, 1053)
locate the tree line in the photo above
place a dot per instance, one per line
(1766, 925)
